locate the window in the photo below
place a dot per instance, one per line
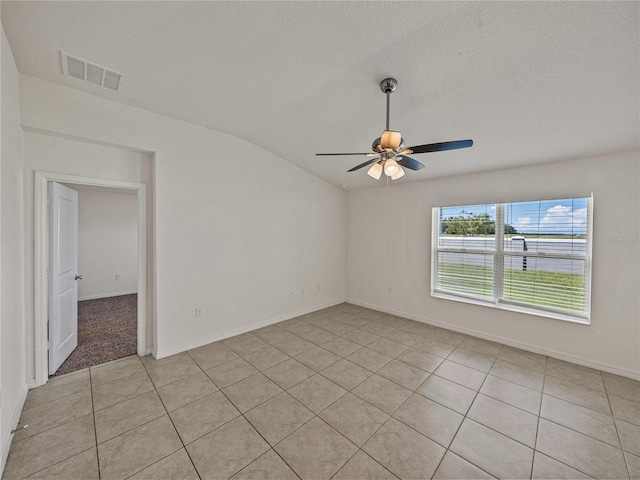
(532, 257)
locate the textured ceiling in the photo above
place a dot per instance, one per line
(529, 82)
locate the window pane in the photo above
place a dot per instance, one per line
(550, 282)
(544, 258)
(547, 226)
(468, 226)
(465, 273)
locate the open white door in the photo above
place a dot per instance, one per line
(63, 274)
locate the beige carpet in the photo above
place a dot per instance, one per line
(107, 330)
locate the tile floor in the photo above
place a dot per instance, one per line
(343, 393)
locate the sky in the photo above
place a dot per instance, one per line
(564, 216)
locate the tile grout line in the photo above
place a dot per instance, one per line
(173, 424)
(317, 415)
(358, 448)
(478, 391)
(65, 423)
(541, 392)
(95, 430)
(408, 426)
(464, 417)
(535, 443)
(138, 426)
(615, 425)
(51, 401)
(390, 415)
(365, 453)
(146, 423)
(413, 391)
(258, 432)
(14, 441)
(563, 426)
(586, 408)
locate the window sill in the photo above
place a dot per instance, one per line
(512, 308)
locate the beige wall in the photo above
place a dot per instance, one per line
(107, 242)
(390, 246)
(239, 232)
(13, 386)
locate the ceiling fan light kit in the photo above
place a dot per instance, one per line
(389, 154)
(375, 171)
(399, 173)
(390, 167)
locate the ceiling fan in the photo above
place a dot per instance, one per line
(389, 153)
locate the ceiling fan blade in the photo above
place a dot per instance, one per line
(410, 163)
(367, 154)
(439, 147)
(362, 165)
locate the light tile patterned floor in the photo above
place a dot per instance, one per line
(343, 393)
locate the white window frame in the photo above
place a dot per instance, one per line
(499, 255)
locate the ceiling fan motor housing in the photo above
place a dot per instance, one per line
(377, 147)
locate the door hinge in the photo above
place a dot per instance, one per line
(49, 345)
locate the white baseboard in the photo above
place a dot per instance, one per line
(105, 295)
(215, 338)
(506, 341)
(15, 418)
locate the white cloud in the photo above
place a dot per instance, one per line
(522, 224)
(559, 219)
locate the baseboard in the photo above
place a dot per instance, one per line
(506, 341)
(215, 338)
(105, 295)
(15, 418)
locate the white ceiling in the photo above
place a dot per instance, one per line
(529, 82)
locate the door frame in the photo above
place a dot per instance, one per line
(41, 261)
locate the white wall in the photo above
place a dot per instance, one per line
(390, 246)
(239, 231)
(107, 242)
(66, 155)
(13, 387)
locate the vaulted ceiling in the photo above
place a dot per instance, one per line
(529, 82)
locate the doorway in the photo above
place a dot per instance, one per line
(99, 279)
(42, 260)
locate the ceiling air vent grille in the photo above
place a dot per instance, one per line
(89, 72)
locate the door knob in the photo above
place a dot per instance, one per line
(78, 277)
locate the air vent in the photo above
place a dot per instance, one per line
(89, 72)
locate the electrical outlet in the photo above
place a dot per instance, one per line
(198, 312)
(302, 291)
(118, 276)
(389, 291)
(318, 288)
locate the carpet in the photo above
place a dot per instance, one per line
(107, 330)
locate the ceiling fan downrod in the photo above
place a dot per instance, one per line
(388, 85)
